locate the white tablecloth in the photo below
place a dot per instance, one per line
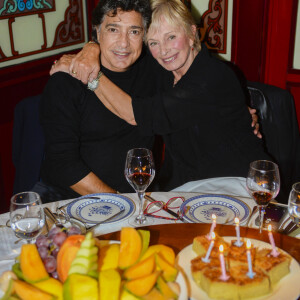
(231, 186)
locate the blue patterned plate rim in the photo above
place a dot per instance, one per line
(104, 197)
(208, 202)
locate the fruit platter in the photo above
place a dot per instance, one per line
(67, 265)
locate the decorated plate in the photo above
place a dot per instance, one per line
(287, 288)
(200, 208)
(96, 208)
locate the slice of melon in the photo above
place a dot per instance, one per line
(31, 264)
(130, 247)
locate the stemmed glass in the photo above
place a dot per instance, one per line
(139, 172)
(263, 183)
(26, 215)
(294, 203)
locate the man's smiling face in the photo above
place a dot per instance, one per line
(121, 39)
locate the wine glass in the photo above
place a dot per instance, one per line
(294, 203)
(263, 184)
(26, 215)
(139, 172)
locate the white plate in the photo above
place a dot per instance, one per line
(226, 208)
(287, 288)
(96, 208)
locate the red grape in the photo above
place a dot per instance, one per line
(42, 241)
(50, 264)
(55, 251)
(59, 238)
(43, 251)
(53, 231)
(54, 275)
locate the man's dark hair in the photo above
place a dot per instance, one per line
(105, 7)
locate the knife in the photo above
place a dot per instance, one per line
(169, 211)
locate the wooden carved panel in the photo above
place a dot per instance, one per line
(17, 8)
(70, 31)
(213, 25)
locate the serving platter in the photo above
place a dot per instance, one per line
(200, 208)
(96, 208)
(287, 288)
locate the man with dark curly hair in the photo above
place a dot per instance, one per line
(86, 144)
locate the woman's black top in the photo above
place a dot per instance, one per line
(205, 124)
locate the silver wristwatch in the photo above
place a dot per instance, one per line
(94, 84)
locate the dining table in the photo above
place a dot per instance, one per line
(173, 233)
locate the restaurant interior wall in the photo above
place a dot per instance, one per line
(261, 37)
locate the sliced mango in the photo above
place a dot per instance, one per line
(142, 286)
(145, 235)
(27, 291)
(80, 287)
(31, 264)
(51, 286)
(108, 257)
(167, 253)
(169, 271)
(154, 294)
(125, 295)
(130, 247)
(109, 284)
(165, 290)
(141, 269)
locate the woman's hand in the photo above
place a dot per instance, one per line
(85, 65)
(255, 123)
(63, 64)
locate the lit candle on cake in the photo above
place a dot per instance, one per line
(274, 252)
(213, 226)
(224, 276)
(250, 271)
(206, 258)
(237, 229)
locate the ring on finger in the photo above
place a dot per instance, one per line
(73, 72)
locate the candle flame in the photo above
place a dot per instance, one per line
(270, 228)
(221, 248)
(248, 244)
(236, 221)
(213, 235)
(213, 216)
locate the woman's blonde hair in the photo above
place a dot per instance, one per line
(176, 14)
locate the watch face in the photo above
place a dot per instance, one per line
(93, 85)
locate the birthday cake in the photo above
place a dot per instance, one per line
(267, 270)
(275, 267)
(237, 255)
(201, 245)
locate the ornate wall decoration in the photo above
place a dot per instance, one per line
(17, 8)
(69, 31)
(71, 28)
(213, 26)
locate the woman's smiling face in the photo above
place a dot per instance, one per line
(170, 46)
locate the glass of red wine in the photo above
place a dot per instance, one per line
(263, 183)
(139, 172)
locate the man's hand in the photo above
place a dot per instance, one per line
(85, 65)
(255, 123)
(62, 65)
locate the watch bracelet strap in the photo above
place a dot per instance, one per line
(94, 82)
